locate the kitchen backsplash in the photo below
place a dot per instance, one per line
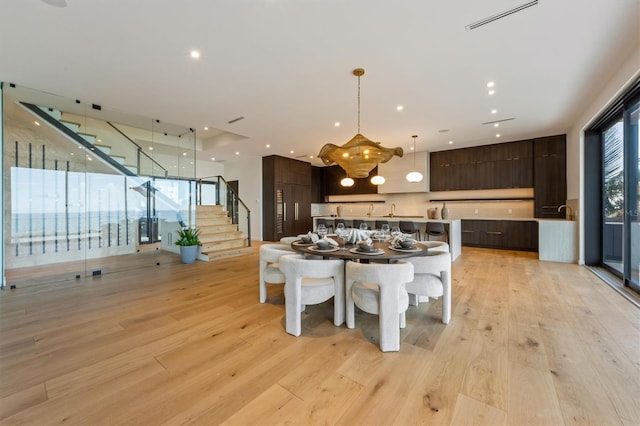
(517, 203)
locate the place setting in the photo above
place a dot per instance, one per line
(404, 243)
(366, 247)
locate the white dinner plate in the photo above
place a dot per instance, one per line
(300, 243)
(319, 250)
(409, 250)
(368, 253)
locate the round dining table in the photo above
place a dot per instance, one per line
(382, 251)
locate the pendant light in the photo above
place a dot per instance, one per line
(378, 180)
(415, 176)
(347, 182)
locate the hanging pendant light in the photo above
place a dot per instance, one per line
(378, 180)
(360, 155)
(415, 176)
(347, 181)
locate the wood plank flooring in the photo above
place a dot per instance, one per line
(529, 343)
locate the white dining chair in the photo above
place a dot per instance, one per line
(379, 289)
(270, 255)
(310, 282)
(431, 279)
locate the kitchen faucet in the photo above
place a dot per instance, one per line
(370, 209)
(568, 211)
(393, 209)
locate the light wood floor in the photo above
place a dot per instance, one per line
(529, 343)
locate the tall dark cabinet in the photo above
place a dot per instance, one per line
(549, 176)
(286, 197)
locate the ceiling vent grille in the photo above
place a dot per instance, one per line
(500, 15)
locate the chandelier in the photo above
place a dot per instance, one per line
(360, 155)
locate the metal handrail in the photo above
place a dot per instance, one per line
(140, 150)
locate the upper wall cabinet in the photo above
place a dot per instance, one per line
(498, 166)
(396, 169)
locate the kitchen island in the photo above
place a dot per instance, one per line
(452, 226)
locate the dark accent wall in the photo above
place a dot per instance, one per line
(592, 213)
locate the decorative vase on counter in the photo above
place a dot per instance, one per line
(435, 213)
(445, 211)
(340, 210)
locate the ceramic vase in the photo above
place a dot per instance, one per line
(445, 211)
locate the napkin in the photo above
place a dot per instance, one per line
(395, 242)
(332, 241)
(314, 237)
(358, 235)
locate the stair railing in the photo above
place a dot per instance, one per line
(215, 190)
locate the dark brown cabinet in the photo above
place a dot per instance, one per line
(499, 166)
(334, 174)
(500, 234)
(550, 176)
(286, 197)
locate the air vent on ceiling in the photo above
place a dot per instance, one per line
(499, 121)
(500, 15)
(235, 119)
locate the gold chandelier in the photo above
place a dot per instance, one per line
(360, 155)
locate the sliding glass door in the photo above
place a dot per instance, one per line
(632, 165)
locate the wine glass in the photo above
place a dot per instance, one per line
(341, 232)
(384, 229)
(321, 230)
(395, 231)
(364, 226)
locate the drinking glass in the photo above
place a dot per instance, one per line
(341, 233)
(364, 226)
(321, 230)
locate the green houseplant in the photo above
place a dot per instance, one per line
(188, 241)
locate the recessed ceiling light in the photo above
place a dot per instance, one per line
(268, 146)
(498, 135)
(36, 123)
(411, 148)
(336, 124)
(206, 128)
(194, 54)
(450, 142)
(493, 111)
(490, 84)
(237, 152)
(491, 92)
(72, 153)
(184, 154)
(213, 158)
(399, 108)
(496, 124)
(99, 140)
(311, 156)
(150, 148)
(291, 152)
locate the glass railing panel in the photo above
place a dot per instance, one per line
(67, 209)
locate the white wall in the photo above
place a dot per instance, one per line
(248, 173)
(627, 73)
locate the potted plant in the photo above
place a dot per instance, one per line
(188, 241)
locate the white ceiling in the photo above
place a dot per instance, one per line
(286, 66)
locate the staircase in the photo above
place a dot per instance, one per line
(219, 238)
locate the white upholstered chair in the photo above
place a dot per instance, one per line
(309, 282)
(288, 240)
(432, 278)
(270, 268)
(379, 289)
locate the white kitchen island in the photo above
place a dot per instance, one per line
(452, 226)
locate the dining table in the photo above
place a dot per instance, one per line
(381, 251)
